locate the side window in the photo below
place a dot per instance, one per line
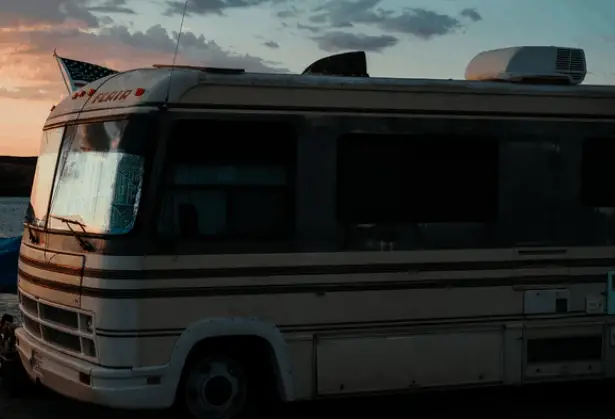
(229, 180)
(370, 179)
(597, 189)
(532, 185)
(417, 179)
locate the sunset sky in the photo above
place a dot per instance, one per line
(404, 38)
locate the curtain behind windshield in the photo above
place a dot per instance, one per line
(99, 179)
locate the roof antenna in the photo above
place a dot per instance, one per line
(179, 35)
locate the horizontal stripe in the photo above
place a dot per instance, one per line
(136, 331)
(434, 322)
(372, 268)
(331, 110)
(371, 325)
(318, 288)
(142, 334)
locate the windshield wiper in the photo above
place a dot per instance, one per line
(33, 237)
(28, 220)
(85, 245)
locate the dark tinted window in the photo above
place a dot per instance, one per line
(532, 172)
(416, 179)
(597, 188)
(229, 180)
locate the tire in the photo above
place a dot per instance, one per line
(218, 387)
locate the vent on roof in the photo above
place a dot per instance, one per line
(349, 64)
(534, 64)
(571, 61)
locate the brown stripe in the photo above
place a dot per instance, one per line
(398, 324)
(318, 289)
(367, 111)
(374, 268)
(376, 111)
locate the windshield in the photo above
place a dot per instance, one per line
(43, 176)
(99, 178)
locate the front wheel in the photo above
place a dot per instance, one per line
(217, 387)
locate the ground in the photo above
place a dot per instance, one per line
(586, 400)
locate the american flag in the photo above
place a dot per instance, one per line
(77, 74)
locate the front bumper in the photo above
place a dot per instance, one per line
(124, 388)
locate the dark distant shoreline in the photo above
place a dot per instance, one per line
(16, 175)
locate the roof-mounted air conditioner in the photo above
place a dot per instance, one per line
(533, 64)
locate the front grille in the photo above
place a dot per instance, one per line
(59, 316)
(66, 340)
(31, 326)
(60, 327)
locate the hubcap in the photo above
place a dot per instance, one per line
(215, 389)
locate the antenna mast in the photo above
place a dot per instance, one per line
(179, 35)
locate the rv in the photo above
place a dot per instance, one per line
(221, 240)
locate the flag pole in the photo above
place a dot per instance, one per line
(56, 56)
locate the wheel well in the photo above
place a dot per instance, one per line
(254, 353)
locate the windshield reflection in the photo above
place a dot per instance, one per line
(98, 183)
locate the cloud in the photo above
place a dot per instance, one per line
(271, 44)
(338, 13)
(471, 14)
(34, 91)
(112, 6)
(310, 28)
(415, 22)
(29, 36)
(424, 24)
(26, 12)
(286, 13)
(339, 41)
(208, 7)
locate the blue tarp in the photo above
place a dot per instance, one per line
(9, 255)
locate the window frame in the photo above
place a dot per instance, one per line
(587, 195)
(44, 221)
(149, 120)
(166, 186)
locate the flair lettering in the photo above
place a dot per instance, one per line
(111, 96)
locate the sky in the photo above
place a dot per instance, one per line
(403, 38)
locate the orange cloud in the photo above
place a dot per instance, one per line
(30, 81)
